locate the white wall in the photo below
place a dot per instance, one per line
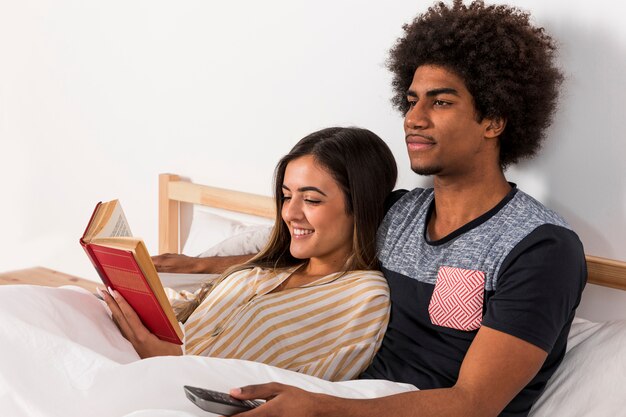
(97, 98)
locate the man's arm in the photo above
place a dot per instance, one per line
(497, 367)
(172, 262)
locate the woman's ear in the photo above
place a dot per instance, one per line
(495, 127)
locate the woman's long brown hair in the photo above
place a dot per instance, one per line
(365, 169)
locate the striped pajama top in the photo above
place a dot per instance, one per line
(330, 328)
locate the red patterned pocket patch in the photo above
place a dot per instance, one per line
(457, 300)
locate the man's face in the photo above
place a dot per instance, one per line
(442, 133)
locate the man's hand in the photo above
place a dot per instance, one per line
(283, 401)
(173, 262)
(143, 340)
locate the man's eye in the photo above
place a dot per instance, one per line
(412, 103)
(441, 103)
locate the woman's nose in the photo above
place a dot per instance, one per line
(292, 210)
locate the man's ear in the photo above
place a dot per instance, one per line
(495, 127)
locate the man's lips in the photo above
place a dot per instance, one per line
(415, 142)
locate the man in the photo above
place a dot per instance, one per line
(484, 280)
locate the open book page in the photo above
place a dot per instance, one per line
(117, 225)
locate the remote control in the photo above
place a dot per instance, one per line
(218, 402)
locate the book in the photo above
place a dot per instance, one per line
(123, 263)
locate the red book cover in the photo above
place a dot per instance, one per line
(119, 269)
(121, 272)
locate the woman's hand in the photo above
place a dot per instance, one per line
(143, 340)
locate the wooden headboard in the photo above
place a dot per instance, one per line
(173, 191)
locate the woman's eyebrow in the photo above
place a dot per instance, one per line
(304, 189)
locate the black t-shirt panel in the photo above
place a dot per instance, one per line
(539, 287)
(415, 351)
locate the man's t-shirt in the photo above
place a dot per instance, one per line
(518, 269)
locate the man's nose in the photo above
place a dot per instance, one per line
(416, 117)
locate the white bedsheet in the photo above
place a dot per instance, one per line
(60, 355)
(591, 381)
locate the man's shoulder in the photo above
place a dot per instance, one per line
(526, 229)
(403, 198)
(549, 243)
(527, 210)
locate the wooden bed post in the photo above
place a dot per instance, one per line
(169, 214)
(606, 272)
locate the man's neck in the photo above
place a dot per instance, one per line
(458, 201)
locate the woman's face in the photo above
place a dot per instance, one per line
(314, 209)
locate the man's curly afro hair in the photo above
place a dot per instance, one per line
(506, 64)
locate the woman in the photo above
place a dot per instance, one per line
(312, 300)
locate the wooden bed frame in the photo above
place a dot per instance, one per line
(173, 191)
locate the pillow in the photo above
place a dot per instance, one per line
(223, 236)
(590, 380)
(210, 226)
(250, 240)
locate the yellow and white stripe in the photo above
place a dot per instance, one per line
(330, 328)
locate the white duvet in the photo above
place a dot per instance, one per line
(60, 355)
